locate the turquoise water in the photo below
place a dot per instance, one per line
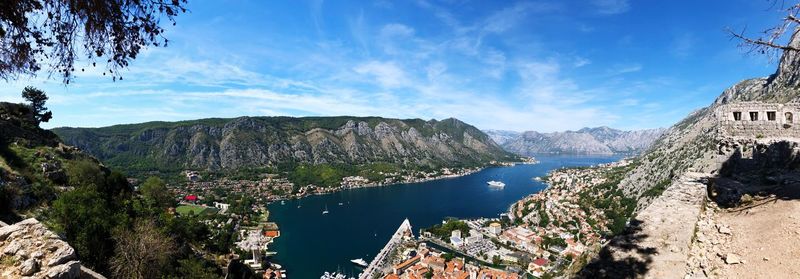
(312, 243)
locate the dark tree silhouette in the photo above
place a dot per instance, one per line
(768, 42)
(54, 33)
(37, 98)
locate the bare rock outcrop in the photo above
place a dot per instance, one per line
(29, 249)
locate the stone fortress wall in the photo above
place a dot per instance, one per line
(759, 120)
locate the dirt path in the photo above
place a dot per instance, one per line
(767, 239)
(759, 240)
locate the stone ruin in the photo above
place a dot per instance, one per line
(759, 120)
(29, 250)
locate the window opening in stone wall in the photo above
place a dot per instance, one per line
(789, 118)
(737, 115)
(753, 116)
(771, 115)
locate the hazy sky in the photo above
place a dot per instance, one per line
(527, 65)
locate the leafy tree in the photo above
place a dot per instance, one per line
(37, 98)
(85, 173)
(144, 252)
(86, 222)
(194, 268)
(155, 192)
(58, 31)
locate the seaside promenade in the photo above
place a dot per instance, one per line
(380, 259)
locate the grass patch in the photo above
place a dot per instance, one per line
(8, 261)
(195, 209)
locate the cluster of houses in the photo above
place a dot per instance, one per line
(423, 262)
(545, 230)
(555, 214)
(270, 187)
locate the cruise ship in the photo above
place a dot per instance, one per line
(497, 184)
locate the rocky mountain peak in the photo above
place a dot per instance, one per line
(599, 140)
(788, 73)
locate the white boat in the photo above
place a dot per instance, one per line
(497, 184)
(360, 262)
(326, 210)
(283, 202)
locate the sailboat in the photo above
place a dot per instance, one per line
(299, 203)
(326, 210)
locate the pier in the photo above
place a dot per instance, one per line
(379, 261)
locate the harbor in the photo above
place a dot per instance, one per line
(361, 221)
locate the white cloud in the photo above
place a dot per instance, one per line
(388, 74)
(624, 69)
(611, 7)
(580, 62)
(393, 30)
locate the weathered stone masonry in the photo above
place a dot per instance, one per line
(759, 120)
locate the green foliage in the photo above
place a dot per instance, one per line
(185, 210)
(608, 198)
(656, 190)
(448, 256)
(85, 173)
(36, 99)
(155, 192)
(321, 175)
(132, 147)
(544, 219)
(196, 268)
(83, 216)
(443, 231)
(553, 242)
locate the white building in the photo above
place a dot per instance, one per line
(222, 206)
(456, 241)
(495, 228)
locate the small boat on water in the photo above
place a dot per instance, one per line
(496, 184)
(341, 203)
(334, 275)
(326, 210)
(283, 202)
(360, 262)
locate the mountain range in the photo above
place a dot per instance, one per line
(255, 142)
(599, 140)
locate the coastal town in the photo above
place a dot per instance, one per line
(235, 210)
(270, 187)
(547, 234)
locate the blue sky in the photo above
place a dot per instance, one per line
(514, 65)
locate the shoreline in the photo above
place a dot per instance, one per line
(469, 171)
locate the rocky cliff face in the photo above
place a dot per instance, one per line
(36, 252)
(502, 136)
(677, 231)
(600, 140)
(252, 142)
(698, 142)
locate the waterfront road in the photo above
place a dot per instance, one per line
(380, 259)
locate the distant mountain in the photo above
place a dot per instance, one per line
(501, 136)
(600, 140)
(259, 142)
